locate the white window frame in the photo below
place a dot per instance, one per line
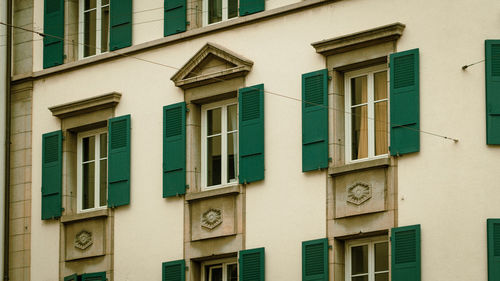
(81, 28)
(371, 255)
(369, 72)
(204, 108)
(225, 9)
(223, 264)
(96, 133)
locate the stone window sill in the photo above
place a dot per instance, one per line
(85, 216)
(223, 191)
(354, 167)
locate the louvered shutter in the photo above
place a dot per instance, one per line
(405, 253)
(119, 161)
(174, 20)
(120, 34)
(248, 7)
(404, 101)
(252, 265)
(97, 276)
(492, 54)
(251, 138)
(315, 260)
(315, 120)
(53, 26)
(174, 271)
(51, 175)
(174, 149)
(493, 231)
(73, 277)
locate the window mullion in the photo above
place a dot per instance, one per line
(81, 24)
(224, 10)
(98, 27)
(97, 171)
(371, 262)
(204, 143)
(79, 175)
(224, 145)
(347, 121)
(371, 119)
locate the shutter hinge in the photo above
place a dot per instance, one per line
(330, 247)
(329, 77)
(188, 22)
(187, 186)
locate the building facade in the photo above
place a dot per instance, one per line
(254, 140)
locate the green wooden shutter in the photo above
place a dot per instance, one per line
(51, 175)
(493, 230)
(53, 26)
(252, 265)
(251, 140)
(492, 55)
(404, 100)
(174, 20)
(315, 260)
(73, 277)
(119, 161)
(120, 34)
(315, 120)
(174, 149)
(248, 7)
(405, 253)
(96, 276)
(174, 271)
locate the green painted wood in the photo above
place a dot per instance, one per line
(404, 102)
(493, 232)
(251, 134)
(315, 120)
(175, 19)
(96, 276)
(119, 161)
(405, 253)
(51, 175)
(492, 57)
(315, 260)
(248, 7)
(174, 270)
(174, 149)
(252, 265)
(53, 27)
(73, 277)
(120, 33)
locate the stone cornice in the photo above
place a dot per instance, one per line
(86, 105)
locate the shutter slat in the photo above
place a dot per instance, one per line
(53, 26)
(73, 277)
(493, 233)
(174, 271)
(315, 260)
(252, 263)
(119, 161)
(175, 18)
(120, 33)
(404, 102)
(248, 7)
(492, 65)
(315, 120)
(251, 134)
(405, 252)
(174, 149)
(52, 175)
(96, 276)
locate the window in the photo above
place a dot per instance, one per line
(92, 170)
(93, 27)
(219, 10)
(366, 117)
(367, 260)
(219, 144)
(220, 270)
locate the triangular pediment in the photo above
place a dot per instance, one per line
(212, 63)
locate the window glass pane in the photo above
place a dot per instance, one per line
(213, 121)
(359, 137)
(103, 147)
(380, 85)
(381, 256)
(89, 35)
(232, 272)
(214, 161)
(214, 11)
(359, 93)
(382, 277)
(89, 4)
(381, 145)
(88, 145)
(216, 274)
(232, 118)
(104, 29)
(359, 260)
(88, 180)
(360, 278)
(231, 157)
(104, 2)
(103, 187)
(232, 9)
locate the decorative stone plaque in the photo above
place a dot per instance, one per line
(83, 240)
(359, 193)
(211, 218)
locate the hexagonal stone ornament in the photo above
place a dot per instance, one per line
(211, 218)
(359, 193)
(83, 240)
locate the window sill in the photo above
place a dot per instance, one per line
(233, 189)
(365, 165)
(85, 216)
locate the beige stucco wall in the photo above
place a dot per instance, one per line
(450, 189)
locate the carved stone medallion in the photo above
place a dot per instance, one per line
(359, 193)
(211, 218)
(83, 240)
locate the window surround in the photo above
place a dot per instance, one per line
(371, 255)
(223, 263)
(98, 25)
